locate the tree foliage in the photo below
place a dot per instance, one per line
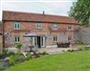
(81, 11)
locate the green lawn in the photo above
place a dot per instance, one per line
(75, 61)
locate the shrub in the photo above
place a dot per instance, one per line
(19, 58)
(19, 45)
(10, 53)
(86, 48)
(29, 56)
(43, 53)
(78, 42)
(71, 50)
(2, 68)
(4, 54)
(12, 60)
(64, 45)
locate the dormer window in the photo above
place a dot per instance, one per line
(55, 27)
(38, 26)
(16, 25)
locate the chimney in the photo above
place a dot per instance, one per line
(43, 12)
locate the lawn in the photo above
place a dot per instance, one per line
(69, 61)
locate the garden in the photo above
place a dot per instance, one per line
(11, 57)
(41, 61)
(68, 61)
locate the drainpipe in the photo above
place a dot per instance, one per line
(3, 41)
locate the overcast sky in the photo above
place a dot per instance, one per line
(55, 7)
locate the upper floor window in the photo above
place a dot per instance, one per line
(38, 25)
(69, 27)
(16, 25)
(55, 26)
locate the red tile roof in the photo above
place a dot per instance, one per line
(21, 16)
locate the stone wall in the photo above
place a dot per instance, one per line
(83, 35)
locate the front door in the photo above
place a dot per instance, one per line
(40, 41)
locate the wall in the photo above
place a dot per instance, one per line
(30, 27)
(84, 35)
(1, 44)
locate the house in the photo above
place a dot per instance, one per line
(41, 30)
(1, 37)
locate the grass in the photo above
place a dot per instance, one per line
(75, 61)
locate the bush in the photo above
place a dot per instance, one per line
(64, 45)
(12, 60)
(2, 68)
(43, 53)
(29, 56)
(17, 58)
(71, 50)
(4, 54)
(78, 42)
(19, 45)
(86, 48)
(10, 53)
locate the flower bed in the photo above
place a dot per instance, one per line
(63, 45)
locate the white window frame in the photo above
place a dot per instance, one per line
(55, 38)
(17, 25)
(38, 26)
(55, 26)
(70, 26)
(17, 39)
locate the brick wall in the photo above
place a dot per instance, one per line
(30, 27)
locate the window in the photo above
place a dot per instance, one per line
(38, 25)
(69, 27)
(17, 39)
(69, 38)
(55, 26)
(16, 25)
(55, 38)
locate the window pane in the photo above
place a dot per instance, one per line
(38, 25)
(55, 38)
(17, 39)
(16, 25)
(55, 26)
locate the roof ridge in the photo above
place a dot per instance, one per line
(37, 13)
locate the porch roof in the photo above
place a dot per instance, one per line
(30, 35)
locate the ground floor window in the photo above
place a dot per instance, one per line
(69, 38)
(17, 39)
(54, 38)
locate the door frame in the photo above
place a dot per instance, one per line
(42, 41)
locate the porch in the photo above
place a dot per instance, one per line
(32, 39)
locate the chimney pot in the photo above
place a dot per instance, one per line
(43, 12)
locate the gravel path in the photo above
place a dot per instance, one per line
(56, 50)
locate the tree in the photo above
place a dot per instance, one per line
(81, 11)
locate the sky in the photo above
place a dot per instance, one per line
(53, 7)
